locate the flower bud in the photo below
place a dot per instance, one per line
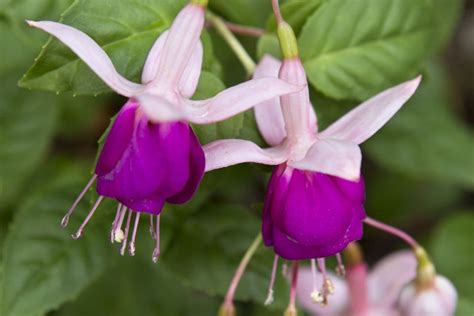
(437, 298)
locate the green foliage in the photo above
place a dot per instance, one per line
(42, 266)
(247, 12)
(453, 252)
(27, 123)
(426, 139)
(353, 49)
(216, 241)
(126, 36)
(129, 292)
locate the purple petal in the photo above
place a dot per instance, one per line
(311, 214)
(143, 164)
(197, 163)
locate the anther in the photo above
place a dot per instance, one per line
(118, 232)
(114, 223)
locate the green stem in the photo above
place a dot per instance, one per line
(233, 42)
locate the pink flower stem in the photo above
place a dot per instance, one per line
(394, 231)
(245, 30)
(276, 11)
(241, 269)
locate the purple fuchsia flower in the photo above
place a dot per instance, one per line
(151, 154)
(360, 293)
(314, 204)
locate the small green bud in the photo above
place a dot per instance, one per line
(288, 44)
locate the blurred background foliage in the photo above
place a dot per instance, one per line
(419, 169)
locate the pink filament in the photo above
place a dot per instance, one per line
(80, 231)
(127, 228)
(269, 299)
(156, 251)
(131, 249)
(313, 273)
(65, 219)
(294, 279)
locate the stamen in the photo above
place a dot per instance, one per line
(65, 219)
(328, 286)
(291, 309)
(340, 270)
(315, 295)
(156, 251)
(131, 249)
(127, 227)
(269, 299)
(118, 232)
(152, 229)
(80, 231)
(114, 223)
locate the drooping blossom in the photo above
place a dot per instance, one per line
(362, 292)
(429, 293)
(314, 202)
(151, 154)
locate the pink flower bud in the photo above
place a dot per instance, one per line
(439, 298)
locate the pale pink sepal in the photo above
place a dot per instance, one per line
(92, 54)
(334, 157)
(389, 276)
(158, 109)
(238, 99)
(228, 152)
(366, 119)
(190, 77)
(338, 301)
(180, 44)
(268, 114)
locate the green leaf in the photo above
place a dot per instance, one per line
(206, 248)
(453, 252)
(43, 267)
(269, 44)
(425, 139)
(353, 49)
(296, 12)
(447, 14)
(465, 307)
(125, 32)
(136, 286)
(27, 124)
(246, 12)
(16, 35)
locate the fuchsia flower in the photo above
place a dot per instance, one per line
(314, 202)
(438, 297)
(361, 293)
(151, 155)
